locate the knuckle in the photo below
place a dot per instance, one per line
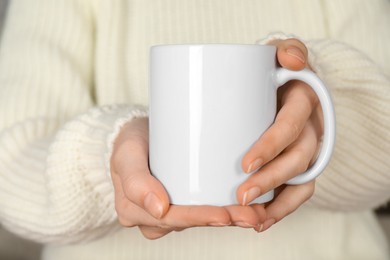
(310, 194)
(290, 128)
(293, 128)
(301, 159)
(133, 183)
(309, 189)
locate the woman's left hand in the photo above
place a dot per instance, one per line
(289, 146)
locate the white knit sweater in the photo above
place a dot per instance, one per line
(71, 72)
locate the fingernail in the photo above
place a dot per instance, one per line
(254, 165)
(296, 53)
(259, 228)
(153, 205)
(250, 195)
(267, 224)
(243, 224)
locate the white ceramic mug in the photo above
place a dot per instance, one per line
(209, 103)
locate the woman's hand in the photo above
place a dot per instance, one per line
(289, 146)
(142, 201)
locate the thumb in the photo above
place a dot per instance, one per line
(291, 53)
(130, 162)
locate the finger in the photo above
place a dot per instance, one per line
(179, 218)
(293, 161)
(291, 53)
(298, 104)
(290, 199)
(182, 217)
(195, 216)
(130, 164)
(246, 216)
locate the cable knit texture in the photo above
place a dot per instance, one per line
(67, 65)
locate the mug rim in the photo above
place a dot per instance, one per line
(186, 45)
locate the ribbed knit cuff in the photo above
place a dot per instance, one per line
(81, 153)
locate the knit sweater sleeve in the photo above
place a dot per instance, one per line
(54, 181)
(358, 176)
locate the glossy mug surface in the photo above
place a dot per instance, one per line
(208, 105)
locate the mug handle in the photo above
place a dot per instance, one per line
(281, 76)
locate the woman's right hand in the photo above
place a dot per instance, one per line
(141, 200)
